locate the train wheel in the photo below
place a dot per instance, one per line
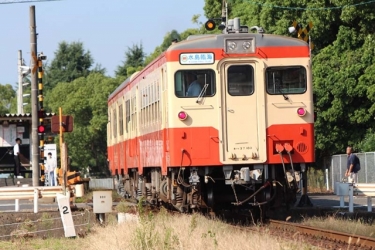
(210, 194)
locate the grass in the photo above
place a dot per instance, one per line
(161, 231)
(357, 227)
(316, 181)
(87, 197)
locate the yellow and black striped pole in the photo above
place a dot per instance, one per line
(303, 34)
(41, 114)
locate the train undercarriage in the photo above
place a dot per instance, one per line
(214, 188)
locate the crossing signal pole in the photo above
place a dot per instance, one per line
(34, 99)
(41, 112)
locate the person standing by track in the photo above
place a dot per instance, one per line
(353, 166)
(17, 154)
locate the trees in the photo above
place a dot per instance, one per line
(7, 97)
(134, 61)
(167, 41)
(173, 34)
(85, 99)
(71, 61)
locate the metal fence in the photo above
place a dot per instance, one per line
(337, 166)
(107, 183)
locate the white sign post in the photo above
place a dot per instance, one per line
(66, 215)
(50, 148)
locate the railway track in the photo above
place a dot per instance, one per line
(350, 241)
(322, 238)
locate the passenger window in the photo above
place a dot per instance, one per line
(286, 80)
(193, 83)
(240, 80)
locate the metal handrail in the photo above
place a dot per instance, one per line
(351, 189)
(25, 193)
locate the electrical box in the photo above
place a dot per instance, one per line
(102, 202)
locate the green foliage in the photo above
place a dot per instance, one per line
(7, 98)
(167, 41)
(170, 36)
(134, 61)
(212, 8)
(368, 143)
(71, 61)
(86, 100)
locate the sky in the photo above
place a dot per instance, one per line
(105, 27)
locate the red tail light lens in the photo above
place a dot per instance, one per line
(301, 111)
(182, 115)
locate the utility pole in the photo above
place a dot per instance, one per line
(20, 85)
(34, 98)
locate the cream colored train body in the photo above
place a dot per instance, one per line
(248, 126)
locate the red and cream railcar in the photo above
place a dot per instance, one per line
(249, 125)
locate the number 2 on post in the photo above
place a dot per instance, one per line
(65, 210)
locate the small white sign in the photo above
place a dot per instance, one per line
(102, 202)
(20, 129)
(197, 58)
(66, 215)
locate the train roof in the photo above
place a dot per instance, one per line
(217, 41)
(119, 88)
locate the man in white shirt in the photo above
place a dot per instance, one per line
(50, 169)
(17, 154)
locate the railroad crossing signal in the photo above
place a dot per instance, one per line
(67, 123)
(303, 33)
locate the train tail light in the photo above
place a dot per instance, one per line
(301, 111)
(182, 115)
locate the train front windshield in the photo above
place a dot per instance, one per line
(286, 80)
(192, 83)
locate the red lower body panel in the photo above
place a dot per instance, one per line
(199, 146)
(299, 136)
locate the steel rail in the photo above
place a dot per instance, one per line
(350, 239)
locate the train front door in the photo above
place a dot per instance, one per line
(243, 115)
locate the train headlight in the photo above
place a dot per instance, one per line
(232, 46)
(246, 45)
(182, 115)
(240, 46)
(301, 111)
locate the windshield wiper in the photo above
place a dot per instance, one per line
(279, 87)
(285, 96)
(204, 89)
(203, 92)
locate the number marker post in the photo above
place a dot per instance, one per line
(66, 215)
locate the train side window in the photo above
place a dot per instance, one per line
(240, 80)
(286, 80)
(114, 122)
(127, 104)
(191, 83)
(121, 120)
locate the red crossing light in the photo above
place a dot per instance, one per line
(41, 129)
